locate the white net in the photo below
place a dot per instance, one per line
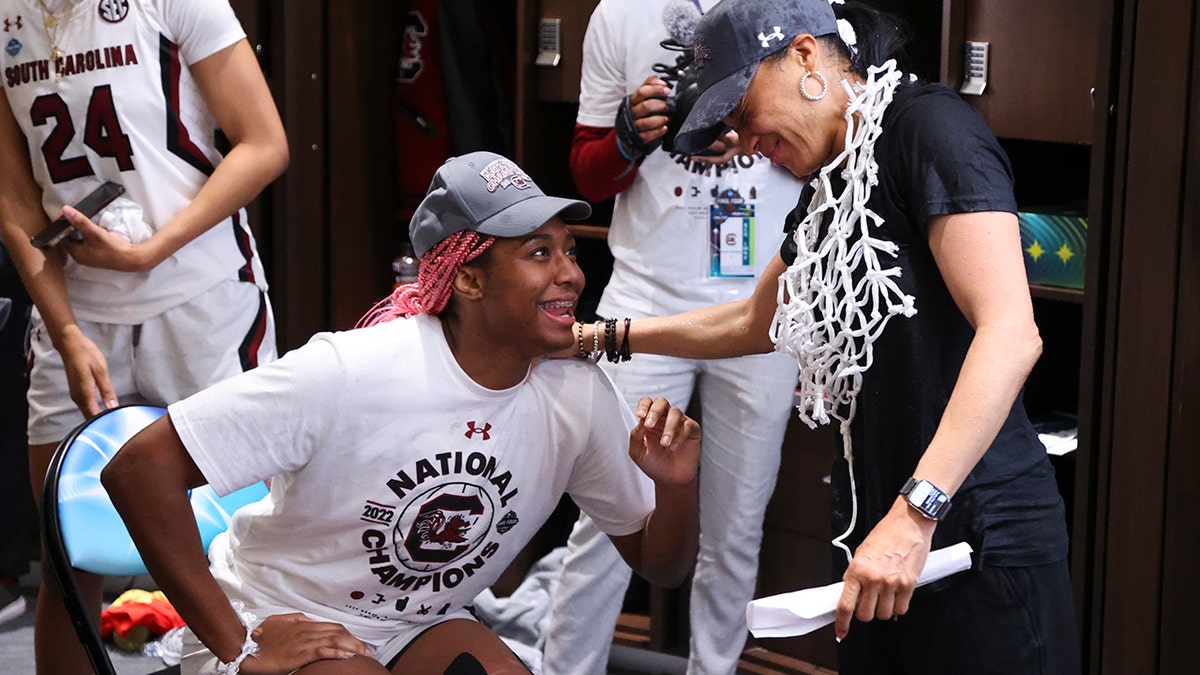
(837, 297)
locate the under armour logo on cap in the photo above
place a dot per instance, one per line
(766, 39)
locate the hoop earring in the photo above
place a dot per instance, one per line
(820, 78)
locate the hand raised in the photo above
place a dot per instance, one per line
(665, 444)
(649, 106)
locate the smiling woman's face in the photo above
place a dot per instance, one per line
(532, 284)
(774, 119)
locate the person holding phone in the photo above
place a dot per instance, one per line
(165, 293)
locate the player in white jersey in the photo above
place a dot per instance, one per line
(686, 232)
(167, 294)
(412, 458)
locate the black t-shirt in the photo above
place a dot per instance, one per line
(936, 156)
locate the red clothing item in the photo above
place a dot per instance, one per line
(139, 608)
(597, 163)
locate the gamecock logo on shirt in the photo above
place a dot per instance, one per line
(443, 525)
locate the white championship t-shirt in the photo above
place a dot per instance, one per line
(401, 487)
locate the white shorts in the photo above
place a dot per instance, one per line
(224, 331)
(196, 659)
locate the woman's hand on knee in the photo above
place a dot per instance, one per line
(290, 641)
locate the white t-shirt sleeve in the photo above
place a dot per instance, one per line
(201, 28)
(605, 483)
(265, 421)
(602, 84)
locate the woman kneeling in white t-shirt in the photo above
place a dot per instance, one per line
(411, 459)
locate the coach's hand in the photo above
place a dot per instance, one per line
(880, 580)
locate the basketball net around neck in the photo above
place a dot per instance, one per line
(836, 298)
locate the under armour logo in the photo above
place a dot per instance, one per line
(10, 24)
(766, 39)
(472, 429)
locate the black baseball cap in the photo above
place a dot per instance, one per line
(730, 41)
(488, 193)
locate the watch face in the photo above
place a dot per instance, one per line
(928, 498)
(921, 492)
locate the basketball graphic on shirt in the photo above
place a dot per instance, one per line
(443, 525)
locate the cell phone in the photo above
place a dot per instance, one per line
(88, 206)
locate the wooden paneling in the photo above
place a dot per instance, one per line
(1042, 58)
(1181, 549)
(561, 82)
(1147, 460)
(298, 238)
(364, 234)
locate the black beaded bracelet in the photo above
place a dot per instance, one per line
(610, 340)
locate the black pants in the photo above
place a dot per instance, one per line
(16, 499)
(1010, 620)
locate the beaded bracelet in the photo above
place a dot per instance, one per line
(579, 331)
(596, 340)
(610, 340)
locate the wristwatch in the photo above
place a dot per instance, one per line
(926, 498)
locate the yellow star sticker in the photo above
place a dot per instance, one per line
(1035, 250)
(1064, 254)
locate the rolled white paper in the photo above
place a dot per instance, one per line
(802, 612)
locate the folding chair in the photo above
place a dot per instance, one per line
(83, 530)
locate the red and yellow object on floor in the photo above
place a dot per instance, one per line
(136, 617)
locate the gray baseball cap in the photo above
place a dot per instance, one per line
(730, 41)
(485, 192)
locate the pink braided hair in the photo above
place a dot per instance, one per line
(435, 281)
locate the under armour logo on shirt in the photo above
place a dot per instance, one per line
(766, 39)
(472, 430)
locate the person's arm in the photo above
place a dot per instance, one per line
(21, 216)
(599, 169)
(148, 481)
(666, 447)
(599, 162)
(979, 256)
(716, 332)
(237, 95)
